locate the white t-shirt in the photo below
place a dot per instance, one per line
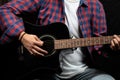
(71, 60)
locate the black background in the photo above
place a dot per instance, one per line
(112, 10)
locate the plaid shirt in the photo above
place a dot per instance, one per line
(90, 13)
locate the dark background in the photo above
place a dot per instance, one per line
(112, 9)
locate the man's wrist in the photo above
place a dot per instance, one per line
(21, 35)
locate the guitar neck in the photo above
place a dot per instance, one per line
(82, 42)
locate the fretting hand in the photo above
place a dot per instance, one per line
(115, 43)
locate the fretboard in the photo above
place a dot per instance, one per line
(82, 42)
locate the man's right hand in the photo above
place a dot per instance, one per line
(32, 43)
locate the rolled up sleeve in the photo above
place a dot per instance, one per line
(10, 24)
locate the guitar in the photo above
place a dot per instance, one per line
(56, 37)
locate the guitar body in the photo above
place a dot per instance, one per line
(24, 65)
(48, 34)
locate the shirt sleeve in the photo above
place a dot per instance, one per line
(99, 21)
(10, 24)
(100, 27)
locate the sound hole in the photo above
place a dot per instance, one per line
(48, 44)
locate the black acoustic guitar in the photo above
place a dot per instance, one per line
(56, 37)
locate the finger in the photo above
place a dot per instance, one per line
(115, 41)
(40, 49)
(117, 38)
(115, 44)
(38, 39)
(112, 45)
(31, 52)
(36, 52)
(39, 43)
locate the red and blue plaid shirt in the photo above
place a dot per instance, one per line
(90, 13)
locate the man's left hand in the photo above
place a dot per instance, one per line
(115, 42)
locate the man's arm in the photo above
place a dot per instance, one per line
(101, 29)
(10, 24)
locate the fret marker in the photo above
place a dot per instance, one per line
(106, 40)
(97, 41)
(88, 42)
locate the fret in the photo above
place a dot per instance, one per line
(63, 44)
(86, 41)
(75, 42)
(57, 44)
(96, 40)
(101, 40)
(82, 42)
(90, 41)
(78, 42)
(68, 43)
(106, 40)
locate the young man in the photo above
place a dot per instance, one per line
(84, 18)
